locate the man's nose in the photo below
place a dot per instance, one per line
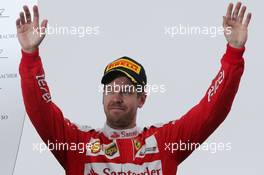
(117, 97)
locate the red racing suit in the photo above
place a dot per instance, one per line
(151, 150)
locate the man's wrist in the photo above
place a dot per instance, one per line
(29, 58)
(234, 55)
(31, 50)
(237, 46)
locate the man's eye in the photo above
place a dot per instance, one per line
(108, 91)
(127, 92)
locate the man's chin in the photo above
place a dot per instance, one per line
(119, 120)
(116, 117)
(117, 111)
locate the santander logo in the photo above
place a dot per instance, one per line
(115, 135)
(129, 134)
(147, 168)
(92, 172)
(147, 171)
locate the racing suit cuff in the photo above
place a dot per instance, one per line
(29, 58)
(234, 55)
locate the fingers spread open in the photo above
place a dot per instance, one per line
(18, 23)
(229, 11)
(43, 27)
(27, 13)
(247, 19)
(225, 22)
(22, 18)
(235, 13)
(35, 16)
(241, 14)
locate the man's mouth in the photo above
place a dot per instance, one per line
(117, 108)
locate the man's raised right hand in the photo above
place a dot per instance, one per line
(29, 33)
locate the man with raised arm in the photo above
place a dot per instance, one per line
(120, 147)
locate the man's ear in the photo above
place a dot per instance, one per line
(142, 99)
(103, 98)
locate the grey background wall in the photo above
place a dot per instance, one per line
(12, 112)
(185, 64)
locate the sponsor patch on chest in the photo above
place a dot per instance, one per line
(148, 168)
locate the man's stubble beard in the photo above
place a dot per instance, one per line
(121, 121)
